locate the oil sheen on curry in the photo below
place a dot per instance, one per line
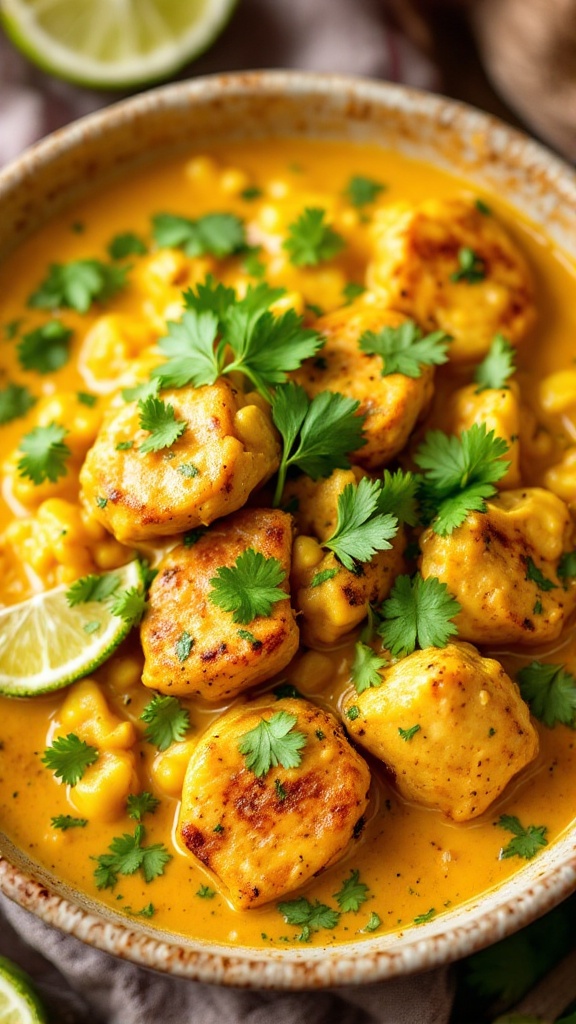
(289, 442)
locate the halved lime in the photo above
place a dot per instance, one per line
(113, 44)
(19, 1003)
(46, 644)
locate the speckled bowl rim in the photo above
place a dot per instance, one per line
(456, 137)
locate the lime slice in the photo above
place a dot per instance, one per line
(45, 644)
(19, 1003)
(113, 44)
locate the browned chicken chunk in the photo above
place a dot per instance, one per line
(191, 645)
(264, 835)
(451, 727)
(228, 449)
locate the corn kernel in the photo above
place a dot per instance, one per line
(169, 768)
(101, 793)
(279, 189)
(109, 554)
(124, 673)
(558, 392)
(312, 672)
(270, 217)
(86, 712)
(307, 553)
(233, 181)
(561, 478)
(250, 423)
(202, 169)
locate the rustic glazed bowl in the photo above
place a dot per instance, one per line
(108, 145)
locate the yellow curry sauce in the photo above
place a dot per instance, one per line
(412, 859)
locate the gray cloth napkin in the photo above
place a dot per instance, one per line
(79, 984)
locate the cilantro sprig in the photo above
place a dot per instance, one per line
(497, 366)
(527, 840)
(92, 588)
(318, 434)
(221, 334)
(44, 454)
(76, 285)
(459, 474)
(550, 691)
(139, 804)
(361, 191)
(45, 349)
(15, 401)
(159, 419)
(249, 587)
(214, 234)
(365, 670)
(361, 529)
(404, 349)
(167, 720)
(418, 613)
(69, 757)
(128, 855)
(352, 894)
(311, 240)
(271, 743)
(64, 822)
(309, 916)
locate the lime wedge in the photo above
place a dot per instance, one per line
(113, 44)
(19, 1003)
(46, 644)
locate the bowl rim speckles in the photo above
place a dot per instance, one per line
(248, 105)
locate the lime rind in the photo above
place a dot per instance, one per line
(106, 45)
(45, 645)
(19, 1003)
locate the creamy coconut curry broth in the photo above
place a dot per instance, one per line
(345, 702)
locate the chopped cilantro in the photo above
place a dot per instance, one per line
(310, 240)
(353, 712)
(459, 474)
(92, 627)
(404, 349)
(535, 575)
(424, 918)
(101, 502)
(214, 234)
(124, 446)
(11, 329)
(184, 645)
(374, 922)
(352, 893)
(419, 612)
(167, 721)
(526, 842)
(550, 692)
(280, 790)
(44, 454)
(352, 291)
(567, 566)
(483, 207)
(251, 193)
(192, 537)
(69, 757)
(186, 469)
(272, 742)
(205, 893)
(148, 911)
(249, 637)
(139, 804)
(497, 366)
(471, 267)
(87, 399)
(160, 420)
(407, 734)
(15, 401)
(366, 667)
(249, 587)
(322, 577)
(45, 349)
(66, 821)
(361, 191)
(126, 244)
(77, 285)
(286, 690)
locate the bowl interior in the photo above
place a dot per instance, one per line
(159, 124)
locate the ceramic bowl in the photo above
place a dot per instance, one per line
(109, 144)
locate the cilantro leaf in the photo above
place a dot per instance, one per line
(318, 434)
(365, 670)
(129, 605)
(69, 757)
(210, 297)
(249, 587)
(265, 346)
(407, 734)
(352, 291)
(460, 473)
(471, 267)
(189, 345)
(361, 530)
(160, 419)
(497, 366)
(361, 191)
(550, 691)
(144, 390)
(214, 234)
(184, 645)
(76, 285)
(46, 349)
(168, 722)
(322, 577)
(404, 349)
(310, 240)
(92, 588)
(566, 566)
(139, 804)
(314, 915)
(424, 918)
(148, 911)
(44, 454)
(127, 855)
(352, 893)
(398, 496)
(66, 821)
(206, 893)
(419, 612)
(15, 401)
(526, 842)
(272, 742)
(126, 244)
(535, 575)
(374, 922)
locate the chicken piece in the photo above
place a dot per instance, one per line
(225, 658)
(502, 568)
(264, 836)
(499, 410)
(392, 404)
(416, 257)
(228, 449)
(450, 726)
(330, 609)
